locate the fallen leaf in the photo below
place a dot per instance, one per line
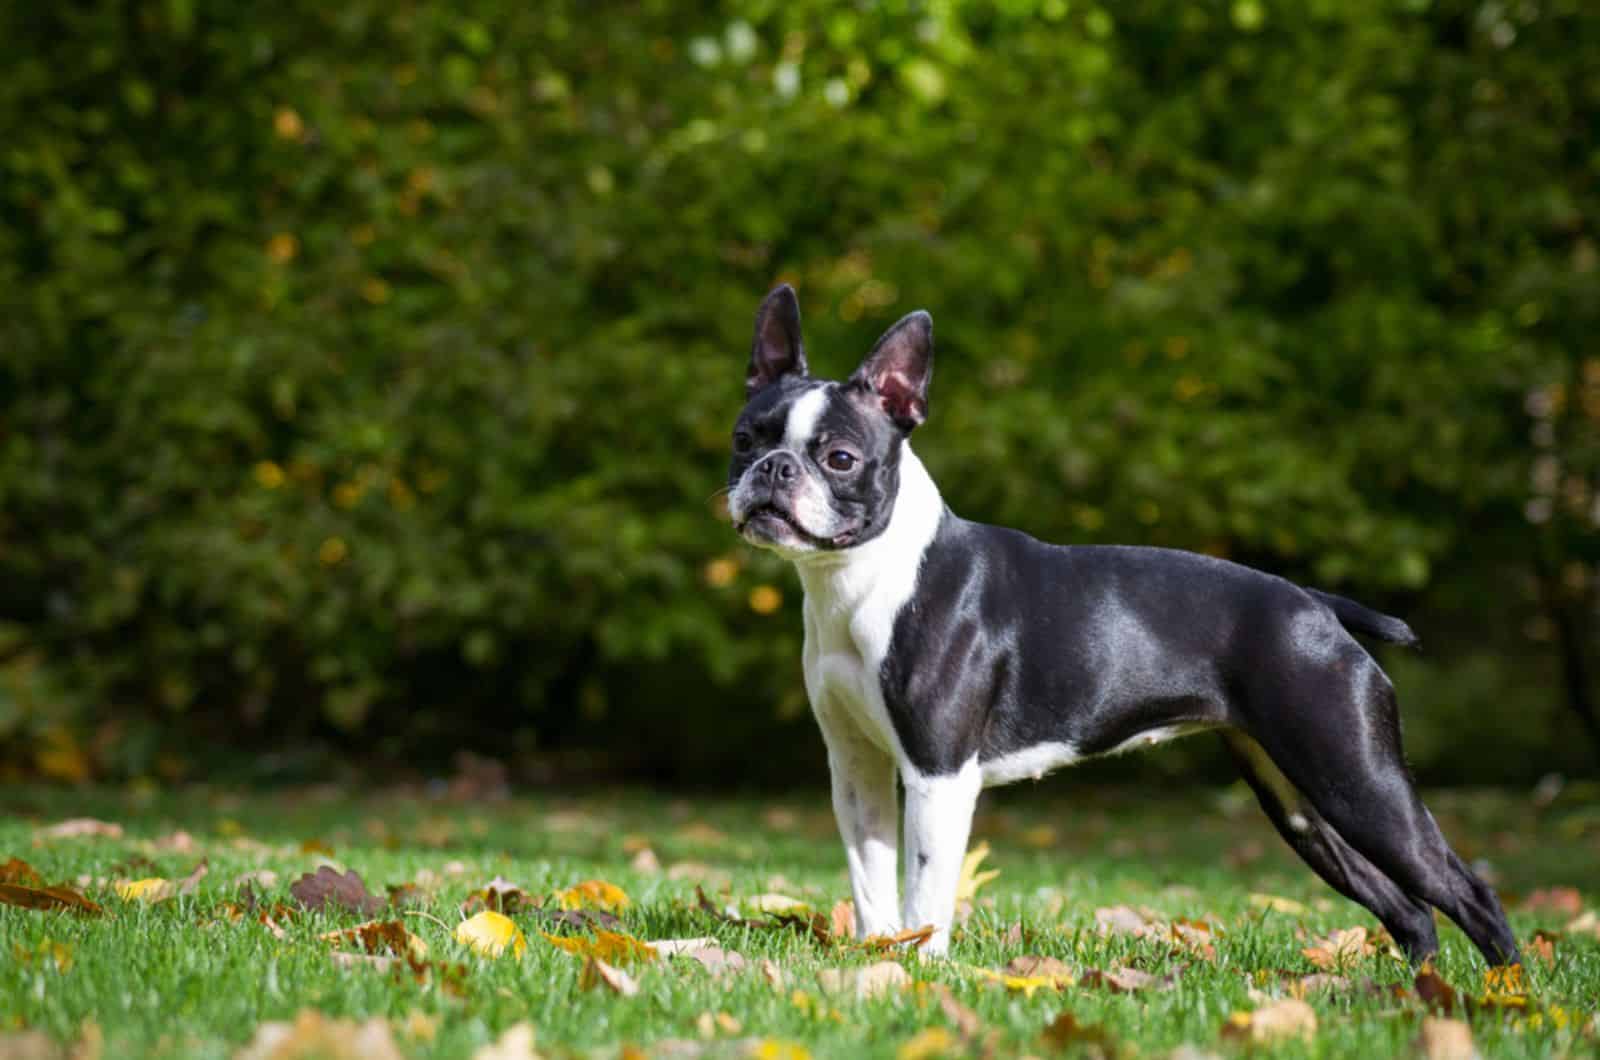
(777, 1049)
(1065, 1032)
(1586, 923)
(593, 894)
(842, 920)
(376, 936)
(20, 872)
(265, 878)
(1121, 920)
(499, 895)
(1445, 1039)
(577, 919)
(1193, 936)
(772, 973)
(971, 878)
(1028, 975)
(775, 903)
(179, 842)
(377, 962)
(701, 834)
(47, 898)
(1279, 904)
(420, 1027)
(928, 1044)
(515, 1044)
(1434, 991)
(609, 946)
(78, 827)
(710, 1024)
(313, 1036)
(1123, 980)
(867, 982)
(704, 951)
(318, 890)
(1505, 979)
(1565, 901)
(597, 973)
(1339, 949)
(1289, 1018)
(646, 862)
(914, 936)
(1543, 946)
(1030, 965)
(155, 889)
(966, 1020)
(489, 934)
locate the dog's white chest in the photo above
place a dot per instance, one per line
(842, 678)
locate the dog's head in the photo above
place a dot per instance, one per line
(816, 463)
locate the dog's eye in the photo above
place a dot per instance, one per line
(839, 460)
(742, 442)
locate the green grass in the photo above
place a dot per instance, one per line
(176, 980)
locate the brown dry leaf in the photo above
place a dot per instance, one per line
(645, 861)
(868, 982)
(515, 1044)
(1586, 923)
(966, 1020)
(609, 946)
(313, 1036)
(1028, 975)
(499, 895)
(842, 920)
(598, 973)
(20, 872)
(1434, 991)
(1339, 949)
(776, 904)
(1289, 1018)
(1444, 1039)
(577, 919)
(381, 963)
(1122, 980)
(46, 898)
(264, 878)
(1565, 901)
(78, 827)
(1122, 920)
(179, 842)
(701, 834)
(879, 943)
(402, 895)
(317, 890)
(1065, 1032)
(773, 973)
(704, 951)
(377, 936)
(710, 1024)
(1321, 982)
(1030, 965)
(1194, 936)
(490, 934)
(1543, 946)
(593, 894)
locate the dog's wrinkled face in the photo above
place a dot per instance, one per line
(816, 464)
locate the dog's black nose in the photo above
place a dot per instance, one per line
(779, 467)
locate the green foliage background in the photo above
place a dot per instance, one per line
(366, 369)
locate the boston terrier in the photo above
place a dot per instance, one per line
(951, 656)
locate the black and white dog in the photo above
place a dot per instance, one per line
(951, 656)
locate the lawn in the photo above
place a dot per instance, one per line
(1094, 879)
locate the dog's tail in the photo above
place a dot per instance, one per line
(1360, 619)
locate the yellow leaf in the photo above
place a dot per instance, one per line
(1026, 985)
(598, 973)
(777, 1049)
(593, 894)
(971, 879)
(606, 945)
(776, 903)
(1278, 904)
(146, 890)
(928, 1044)
(489, 933)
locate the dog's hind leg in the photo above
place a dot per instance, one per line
(1409, 920)
(1343, 755)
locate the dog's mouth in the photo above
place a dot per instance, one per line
(772, 523)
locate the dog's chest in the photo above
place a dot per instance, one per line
(844, 654)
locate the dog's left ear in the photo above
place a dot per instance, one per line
(899, 369)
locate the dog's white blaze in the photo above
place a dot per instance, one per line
(852, 598)
(938, 823)
(801, 426)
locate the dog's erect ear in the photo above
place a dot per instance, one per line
(899, 368)
(777, 350)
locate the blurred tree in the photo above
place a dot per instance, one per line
(367, 369)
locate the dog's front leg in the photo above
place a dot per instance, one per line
(938, 820)
(865, 804)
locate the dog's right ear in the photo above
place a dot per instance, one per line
(777, 350)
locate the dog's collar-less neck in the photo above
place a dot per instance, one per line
(888, 563)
